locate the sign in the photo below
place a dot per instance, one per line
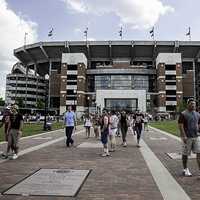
(51, 182)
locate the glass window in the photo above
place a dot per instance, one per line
(102, 82)
(170, 77)
(170, 92)
(72, 77)
(170, 67)
(121, 104)
(121, 82)
(170, 83)
(71, 67)
(141, 82)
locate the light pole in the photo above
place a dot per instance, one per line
(75, 91)
(88, 103)
(46, 77)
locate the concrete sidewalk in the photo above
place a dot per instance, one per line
(125, 175)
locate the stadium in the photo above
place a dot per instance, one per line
(153, 76)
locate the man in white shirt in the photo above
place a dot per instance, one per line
(113, 129)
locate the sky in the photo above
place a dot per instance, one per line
(69, 19)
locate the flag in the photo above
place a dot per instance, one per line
(188, 33)
(152, 32)
(50, 33)
(120, 32)
(85, 32)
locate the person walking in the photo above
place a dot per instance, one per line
(139, 120)
(5, 122)
(124, 127)
(130, 123)
(87, 125)
(70, 124)
(104, 125)
(14, 131)
(112, 130)
(96, 125)
(119, 126)
(146, 121)
(189, 125)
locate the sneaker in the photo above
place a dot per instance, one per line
(138, 146)
(15, 156)
(104, 154)
(112, 150)
(125, 144)
(72, 144)
(108, 154)
(186, 172)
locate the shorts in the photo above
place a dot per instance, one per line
(192, 144)
(87, 127)
(104, 137)
(13, 139)
(112, 131)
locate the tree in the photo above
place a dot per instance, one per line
(40, 104)
(2, 102)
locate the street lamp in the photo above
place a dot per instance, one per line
(75, 91)
(88, 103)
(46, 77)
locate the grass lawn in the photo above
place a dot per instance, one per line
(33, 129)
(168, 126)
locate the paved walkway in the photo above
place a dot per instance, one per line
(130, 174)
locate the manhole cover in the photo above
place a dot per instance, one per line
(90, 145)
(51, 182)
(179, 155)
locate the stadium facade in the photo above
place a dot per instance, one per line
(23, 83)
(154, 76)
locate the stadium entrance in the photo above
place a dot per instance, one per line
(121, 104)
(129, 100)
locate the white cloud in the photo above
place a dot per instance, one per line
(76, 5)
(140, 14)
(12, 30)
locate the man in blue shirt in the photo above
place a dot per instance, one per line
(70, 123)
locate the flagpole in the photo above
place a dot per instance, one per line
(86, 34)
(25, 34)
(190, 34)
(50, 34)
(152, 33)
(120, 33)
(86, 37)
